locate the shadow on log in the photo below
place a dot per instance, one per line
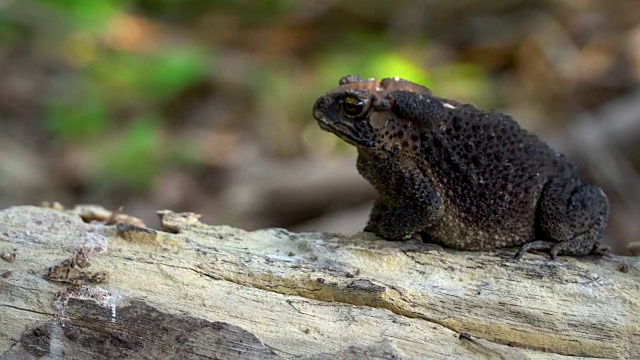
(70, 289)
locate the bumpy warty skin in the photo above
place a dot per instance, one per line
(461, 176)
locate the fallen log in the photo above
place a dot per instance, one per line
(108, 289)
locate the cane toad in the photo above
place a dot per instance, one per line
(461, 176)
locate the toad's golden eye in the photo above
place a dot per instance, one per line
(352, 105)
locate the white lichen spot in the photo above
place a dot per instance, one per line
(113, 304)
(56, 345)
(94, 242)
(102, 297)
(59, 306)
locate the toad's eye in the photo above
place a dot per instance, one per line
(352, 105)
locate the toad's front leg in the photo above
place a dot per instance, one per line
(408, 203)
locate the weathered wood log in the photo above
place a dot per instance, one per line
(197, 291)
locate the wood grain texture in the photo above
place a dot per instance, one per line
(222, 293)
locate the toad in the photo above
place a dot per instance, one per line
(460, 176)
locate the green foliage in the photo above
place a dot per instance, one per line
(134, 157)
(267, 8)
(172, 72)
(112, 81)
(393, 64)
(373, 59)
(464, 82)
(114, 96)
(125, 80)
(8, 30)
(87, 15)
(154, 77)
(83, 122)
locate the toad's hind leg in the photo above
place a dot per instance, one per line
(571, 217)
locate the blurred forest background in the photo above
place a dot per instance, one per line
(205, 105)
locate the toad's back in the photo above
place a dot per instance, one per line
(490, 173)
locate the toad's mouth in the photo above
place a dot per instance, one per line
(344, 131)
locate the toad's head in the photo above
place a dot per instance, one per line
(361, 112)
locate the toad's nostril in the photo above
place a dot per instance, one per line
(319, 107)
